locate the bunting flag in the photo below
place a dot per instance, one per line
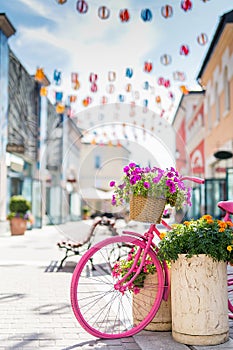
(57, 77)
(39, 76)
(58, 96)
(60, 108)
(129, 91)
(43, 91)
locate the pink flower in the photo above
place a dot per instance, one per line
(136, 290)
(129, 257)
(112, 184)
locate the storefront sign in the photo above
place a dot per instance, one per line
(15, 148)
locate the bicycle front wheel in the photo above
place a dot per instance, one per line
(102, 310)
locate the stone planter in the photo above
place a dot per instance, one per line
(18, 226)
(199, 301)
(142, 303)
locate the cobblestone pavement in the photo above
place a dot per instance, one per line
(35, 303)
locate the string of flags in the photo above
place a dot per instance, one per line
(146, 14)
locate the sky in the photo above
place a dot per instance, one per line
(54, 36)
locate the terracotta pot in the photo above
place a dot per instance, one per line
(199, 300)
(143, 301)
(18, 226)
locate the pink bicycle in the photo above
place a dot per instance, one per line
(227, 206)
(101, 302)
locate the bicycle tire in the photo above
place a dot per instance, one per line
(100, 309)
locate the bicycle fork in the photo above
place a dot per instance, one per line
(122, 285)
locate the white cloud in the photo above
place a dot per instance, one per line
(38, 7)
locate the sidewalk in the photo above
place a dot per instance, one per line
(35, 303)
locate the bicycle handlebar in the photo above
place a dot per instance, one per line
(198, 180)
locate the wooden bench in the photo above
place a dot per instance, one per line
(73, 246)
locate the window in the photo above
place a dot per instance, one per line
(209, 113)
(97, 162)
(217, 106)
(226, 90)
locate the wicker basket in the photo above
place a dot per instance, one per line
(146, 209)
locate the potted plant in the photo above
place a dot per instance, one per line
(143, 290)
(19, 214)
(86, 212)
(198, 251)
(148, 190)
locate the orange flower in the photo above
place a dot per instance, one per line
(210, 221)
(222, 229)
(162, 235)
(187, 223)
(229, 223)
(207, 217)
(222, 224)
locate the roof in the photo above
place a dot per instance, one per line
(194, 93)
(6, 26)
(224, 19)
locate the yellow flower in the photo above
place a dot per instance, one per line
(229, 248)
(222, 229)
(162, 235)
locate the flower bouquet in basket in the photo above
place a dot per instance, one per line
(148, 190)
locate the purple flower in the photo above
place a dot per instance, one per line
(174, 171)
(171, 185)
(172, 188)
(147, 170)
(146, 184)
(181, 185)
(133, 180)
(122, 186)
(136, 171)
(170, 174)
(126, 169)
(157, 178)
(113, 200)
(112, 183)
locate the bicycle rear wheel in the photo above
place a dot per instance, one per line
(102, 310)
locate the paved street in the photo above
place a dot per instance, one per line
(35, 304)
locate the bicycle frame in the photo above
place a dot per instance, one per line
(148, 236)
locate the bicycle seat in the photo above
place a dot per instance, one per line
(226, 206)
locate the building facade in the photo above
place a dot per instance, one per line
(206, 126)
(216, 77)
